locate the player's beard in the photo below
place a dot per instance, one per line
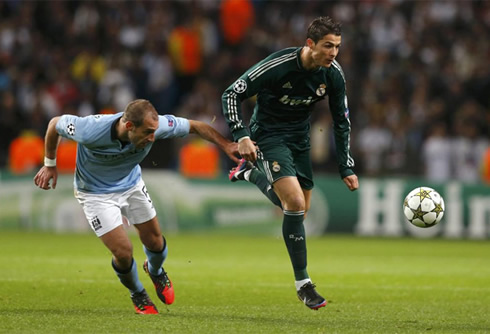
(142, 144)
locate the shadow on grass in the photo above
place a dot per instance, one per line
(266, 318)
(216, 321)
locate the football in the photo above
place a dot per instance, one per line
(423, 207)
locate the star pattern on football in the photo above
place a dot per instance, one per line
(418, 213)
(438, 209)
(423, 194)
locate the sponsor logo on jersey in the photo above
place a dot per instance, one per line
(321, 90)
(240, 86)
(287, 85)
(293, 102)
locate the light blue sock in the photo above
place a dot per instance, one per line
(129, 278)
(156, 259)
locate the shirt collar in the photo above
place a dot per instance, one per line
(114, 133)
(113, 129)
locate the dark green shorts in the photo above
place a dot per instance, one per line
(285, 155)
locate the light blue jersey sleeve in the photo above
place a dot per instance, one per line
(171, 126)
(86, 130)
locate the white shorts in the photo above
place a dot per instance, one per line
(105, 212)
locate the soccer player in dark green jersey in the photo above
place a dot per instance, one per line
(288, 83)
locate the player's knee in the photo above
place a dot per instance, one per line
(123, 255)
(295, 202)
(154, 242)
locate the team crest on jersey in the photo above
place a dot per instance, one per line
(321, 90)
(276, 167)
(70, 129)
(240, 86)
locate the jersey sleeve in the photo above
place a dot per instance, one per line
(256, 78)
(342, 126)
(171, 126)
(232, 99)
(83, 130)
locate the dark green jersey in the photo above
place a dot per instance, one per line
(286, 94)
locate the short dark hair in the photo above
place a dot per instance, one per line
(137, 110)
(322, 26)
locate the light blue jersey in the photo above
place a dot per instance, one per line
(104, 165)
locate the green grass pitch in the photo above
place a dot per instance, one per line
(241, 284)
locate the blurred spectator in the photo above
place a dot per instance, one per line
(186, 54)
(373, 142)
(88, 66)
(414, 67)
(115, 88)
(161, 85)
(237, 16)
(469, 150)
(436, 152)
(10, 124)
(26, 153)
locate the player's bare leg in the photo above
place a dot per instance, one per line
(117, 241)
(155, 248)
(150, 234)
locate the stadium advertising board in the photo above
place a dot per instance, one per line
(219, 206)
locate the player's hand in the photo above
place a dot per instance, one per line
(248, 149)
(44, 176)
(231, 151)
(352, 182)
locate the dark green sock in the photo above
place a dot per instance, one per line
(260, 180)
(293, 232)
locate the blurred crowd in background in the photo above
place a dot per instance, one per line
(418, 72)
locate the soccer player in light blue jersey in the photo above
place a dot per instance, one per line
(109, 186)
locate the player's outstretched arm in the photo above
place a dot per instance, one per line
(208, 133)
(352, 182)
(48, 173)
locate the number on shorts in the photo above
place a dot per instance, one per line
(146, 193)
